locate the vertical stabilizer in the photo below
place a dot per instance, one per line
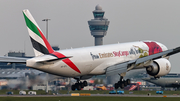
(40, 44)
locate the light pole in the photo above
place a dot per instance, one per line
(47, 76)
(46, 27)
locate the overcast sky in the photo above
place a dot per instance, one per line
(130, 20)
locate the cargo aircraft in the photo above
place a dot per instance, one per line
(83, 63)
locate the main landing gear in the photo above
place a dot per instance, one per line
(122, 83)
(78, 85)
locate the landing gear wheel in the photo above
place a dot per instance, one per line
(125, 83)
(82, 85)
(78, 86)
(116, 86)
(85, 83)
(128, 81)
(122, 85)
(73, 87)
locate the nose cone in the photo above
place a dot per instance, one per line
(155, 47)
(164, 48)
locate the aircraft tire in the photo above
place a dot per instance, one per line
(78, 87)
(82, 85)
(116, 85)
(128, 81)
(125, 83)
(85, 83)
(122, 85)
(73, 87)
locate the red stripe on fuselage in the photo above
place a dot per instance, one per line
(59, 55)
(67, 61)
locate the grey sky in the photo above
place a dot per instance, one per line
(130, 20)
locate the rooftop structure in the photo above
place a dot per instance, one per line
(16, 54)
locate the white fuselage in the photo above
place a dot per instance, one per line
(92, 60)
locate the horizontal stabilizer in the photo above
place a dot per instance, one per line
(51, 60)
(48, 58)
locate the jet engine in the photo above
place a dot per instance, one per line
(159, 67)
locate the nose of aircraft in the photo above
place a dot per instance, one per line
(164, 48)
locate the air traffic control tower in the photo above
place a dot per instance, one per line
(99, 25)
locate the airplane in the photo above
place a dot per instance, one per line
(83, 63)
(169, 80)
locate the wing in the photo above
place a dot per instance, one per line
(124, 67)
(13, 60)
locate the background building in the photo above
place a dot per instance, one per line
(99, 25)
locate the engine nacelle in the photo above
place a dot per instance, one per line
(159, 67)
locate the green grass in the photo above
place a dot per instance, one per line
(92, 91)
(153, 92)
(40, 92)
(87, 99)
(90, 98)
(127, 92)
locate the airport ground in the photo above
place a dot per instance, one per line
(89, 98)
(41, 92)
(95, 96)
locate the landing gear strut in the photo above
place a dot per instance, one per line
(122, 83)
(78, 85)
